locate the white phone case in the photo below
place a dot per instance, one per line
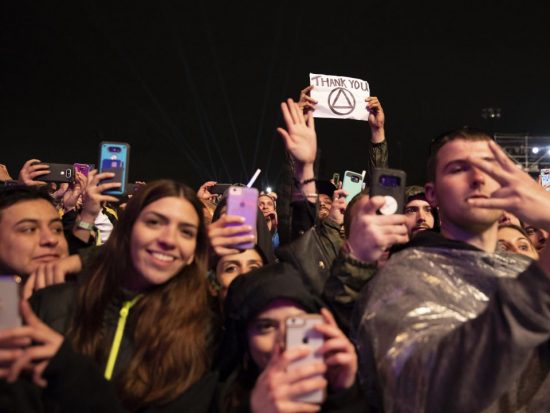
(300, 331)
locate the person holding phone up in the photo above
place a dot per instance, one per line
(137, 326)
(255, 364)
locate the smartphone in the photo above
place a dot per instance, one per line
(335, 179)
(389, 183)
(352, 184)
(219, 189)
(300, 331)
(9, 301)
(59, 172)
(114, 157)
(83, 168)
(545, 178)
(243, 201)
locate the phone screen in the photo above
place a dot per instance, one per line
(545, 178)
(114, 158)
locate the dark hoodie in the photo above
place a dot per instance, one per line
(248, 295)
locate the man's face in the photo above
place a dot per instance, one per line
(31, 233)
(456, 182)
(538, 236)
(325, 202)
(418, 214)
(266, 205)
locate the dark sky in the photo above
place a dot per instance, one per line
(195, 89)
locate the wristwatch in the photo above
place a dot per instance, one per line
(86, 225)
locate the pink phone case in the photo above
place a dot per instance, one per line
(300, 331)
(243, 201)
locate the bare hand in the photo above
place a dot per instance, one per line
(299, 137)
(4, 174)
(338, 352)
(338, 207)
(204, 193)
(376, 119)
(51, 273)
(519, 194)
(227, 232)
(93, 196)
(371, 234)
(31, 170)
(34, 358)
(277, 386)
(307, 103)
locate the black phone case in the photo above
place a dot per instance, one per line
(382, 185)
(59, 172)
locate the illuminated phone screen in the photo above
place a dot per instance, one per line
(114, 158)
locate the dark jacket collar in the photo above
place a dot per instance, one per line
(433, 239)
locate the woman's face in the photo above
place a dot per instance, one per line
(163, 241)
(510, 239)
(230, 266)
(267, 328)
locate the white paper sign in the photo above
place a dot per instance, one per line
(339, 97)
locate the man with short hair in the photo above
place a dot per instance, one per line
(419, 213)
(448, 325)
(31, 231)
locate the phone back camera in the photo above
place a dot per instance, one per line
(242, 204)
(305, 340)
(354, 179)
(114, 149)
(68, 173)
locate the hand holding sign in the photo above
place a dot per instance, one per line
(376, 119)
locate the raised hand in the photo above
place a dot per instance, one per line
(338, 353)
(277, 386)
(371, 234)
(31, 170)
(518, 194)
(299, 137)
(35, 357)
(376, 119)
(307, 103)
(227, 232)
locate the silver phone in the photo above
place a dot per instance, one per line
(9, 301)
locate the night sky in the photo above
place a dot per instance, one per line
(195, 88)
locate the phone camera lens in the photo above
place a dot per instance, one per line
(305, 340)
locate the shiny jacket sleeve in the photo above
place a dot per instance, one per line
(442, 341)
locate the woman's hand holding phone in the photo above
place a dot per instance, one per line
(277, 388)
(338, 352)
(227, 232)
(29, 357)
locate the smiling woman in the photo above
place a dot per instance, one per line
(141, 312)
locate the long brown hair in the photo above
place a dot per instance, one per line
(172, 321)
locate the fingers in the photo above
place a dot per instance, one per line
(28, 315)
(502, 158)
(286, 137)
(286, 115)
(305, 91)
(307, 385)
(371, 205)
(291, 355)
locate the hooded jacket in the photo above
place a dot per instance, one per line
(248, 295)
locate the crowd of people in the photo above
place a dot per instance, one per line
(146, 303)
